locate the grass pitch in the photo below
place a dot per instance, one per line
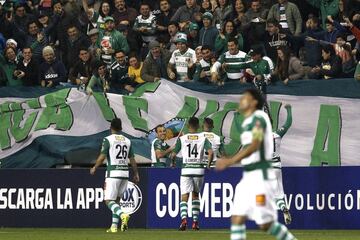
(142, 234)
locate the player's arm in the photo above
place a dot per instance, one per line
(283, 130)
(210, 152)
(159, 153)
(258, 137)
(175, 151)
(101, 158)
(134, 165)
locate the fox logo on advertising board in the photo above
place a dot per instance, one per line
(131, 199)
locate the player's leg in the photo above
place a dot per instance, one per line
(278, 230)
(186, 187)
(280, 196)
(198, 183)
(240, 209)
(110, 196)
(123, 216)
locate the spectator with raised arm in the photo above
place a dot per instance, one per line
(327, 8)
(222, 12)
(227, 32)
(8, 65)
(98, 17)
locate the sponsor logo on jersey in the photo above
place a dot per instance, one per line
(131, 199)
(193, 137)
(119, 138)
(209, 136)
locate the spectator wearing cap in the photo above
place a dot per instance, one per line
(208, 32)
(123, 14)
(74, 42)
(27, 69)
(288, 15)
(257, 69)
(100, 80)
(222, 12)
(202, 72)
(173, 30)
(98, 17)
(81, 71)
(183, 60)
(8, 63)
(111, 41)
(154, 67)
(227, 63)
(52, 71)
(228, 31)
(93, 35)
(12, 43)
(163, 19)
(186, 14)
(193, 37)
(145, 25)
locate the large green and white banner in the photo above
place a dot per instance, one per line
(325, 130)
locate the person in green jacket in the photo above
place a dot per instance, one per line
(228, 32)
(100, 79)
(326, 7)
(8, 64)
(111, 41)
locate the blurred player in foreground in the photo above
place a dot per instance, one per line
(192, 146)
(254, 196)
(276, 164)
(214, 139)
(118, 151)
(159, 148)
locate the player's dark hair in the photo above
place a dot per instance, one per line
(257, 96)
(194, 122)
(116, 124)
(158, 126)
(209, 122)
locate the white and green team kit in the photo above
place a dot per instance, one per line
(254, 195)
(276, 161)
(158, 144)
(118, 150)
(192, 147)
(232, 62)
(181, 62)
(217, 146)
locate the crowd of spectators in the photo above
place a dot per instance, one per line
(117, 45)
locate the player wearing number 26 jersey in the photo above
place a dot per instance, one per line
(192, 147)
(254, 195)
(118, 152)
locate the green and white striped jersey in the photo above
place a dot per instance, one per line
(118, 150)
(257, 123)
(158, 144)
(216, 145)
(192, 147)
(181, 62)
(148, 23)
(232, 70)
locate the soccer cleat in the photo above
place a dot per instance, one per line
(112, 230)
(287, 216)
(183, 225)
(195, 226)
(124, 222)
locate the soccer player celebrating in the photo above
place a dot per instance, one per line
(159, 148)
(276, 164)
(118, 151)
(254, 195)
(192, 146)
(214, 139)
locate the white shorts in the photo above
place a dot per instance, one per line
(254, 197)
(114, 188)
(191, 184)
(279, 189)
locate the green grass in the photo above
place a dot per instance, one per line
(141, 234)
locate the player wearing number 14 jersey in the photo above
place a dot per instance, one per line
(192, 147)
(118, 151)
